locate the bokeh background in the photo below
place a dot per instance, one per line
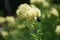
(50, 20)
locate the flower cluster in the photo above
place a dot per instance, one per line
(28, 12)
(10, 20)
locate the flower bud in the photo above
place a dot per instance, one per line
(39, 2)
(54, 12)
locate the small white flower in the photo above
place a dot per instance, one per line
(4, 33)
(57, 30)
(2, 19)
(54, 12)
(28, 12)
(10, 20)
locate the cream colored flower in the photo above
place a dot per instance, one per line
(28, 12)
(10, 20)
(54, 12)
(4, 33)
(43, 2)
(2, 19)
(57, 30)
